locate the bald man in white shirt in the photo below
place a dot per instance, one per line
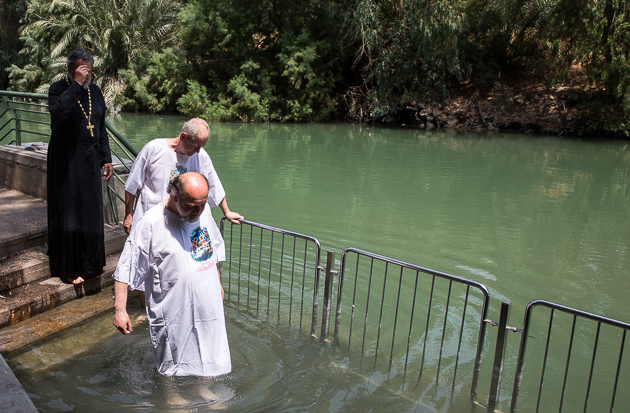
(174, 252)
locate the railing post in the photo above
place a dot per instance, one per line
(328, 281)
(18, 128)
(499, 352)
(18, 124)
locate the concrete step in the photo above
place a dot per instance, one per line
(23, 222)
(37, 297)
(32, 265)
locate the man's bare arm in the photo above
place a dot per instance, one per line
(222, 292)
(129, 201)
(121, 318)
(233, 217)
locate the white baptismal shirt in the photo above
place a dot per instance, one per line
(157, 164)
(177, 263)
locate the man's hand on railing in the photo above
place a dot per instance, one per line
(234, 217)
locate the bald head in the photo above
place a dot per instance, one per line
(188, 195)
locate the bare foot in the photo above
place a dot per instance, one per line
(77, 281)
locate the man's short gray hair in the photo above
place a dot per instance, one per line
(193, 127)
(176, 185)
(79, 54)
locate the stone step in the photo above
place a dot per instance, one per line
(32, 265)
(23, 268)
(23, 222)
(37, 297)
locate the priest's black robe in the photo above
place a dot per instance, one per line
(76, 244)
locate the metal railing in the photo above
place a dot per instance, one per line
(422, 320)
(14, 115)
(271, 268)
(595, 337)
(26, 114)
(381, 289)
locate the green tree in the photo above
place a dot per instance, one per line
(508, 31)
(407, 50)
(596, 35)
(116, 32)
(265, 59)
(155, 81)
(11, 11)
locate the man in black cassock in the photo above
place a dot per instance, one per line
(77, 151)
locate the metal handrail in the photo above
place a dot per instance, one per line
(25, 95)
(575, 313)
(418, 269)
(249, 244)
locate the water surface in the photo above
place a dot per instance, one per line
(531, 217)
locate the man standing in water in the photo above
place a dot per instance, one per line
(78, 149)
(174, 251)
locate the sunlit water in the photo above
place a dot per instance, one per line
(530, 217)
(95, 369)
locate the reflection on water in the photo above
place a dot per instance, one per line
(531, 217)
(94, 368)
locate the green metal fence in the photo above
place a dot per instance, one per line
(24, 117)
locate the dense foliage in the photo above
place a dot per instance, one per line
(116, 32)
(11, 11)
(262, 60)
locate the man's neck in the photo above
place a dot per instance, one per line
(169, 206)
(172, 143)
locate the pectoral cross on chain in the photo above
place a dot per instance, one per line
(90, 127)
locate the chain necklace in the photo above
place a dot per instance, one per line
(88, 115)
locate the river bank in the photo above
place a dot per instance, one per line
(527, 102)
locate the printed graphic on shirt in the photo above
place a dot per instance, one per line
(180, 169)
(201, 244)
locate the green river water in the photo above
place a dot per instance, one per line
(531, 217)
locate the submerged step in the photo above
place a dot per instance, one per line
(45, 325)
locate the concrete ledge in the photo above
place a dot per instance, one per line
(13, 398)
(115, 238)
(23, 170)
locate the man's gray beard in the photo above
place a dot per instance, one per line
(86, 85)
(191, 219)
